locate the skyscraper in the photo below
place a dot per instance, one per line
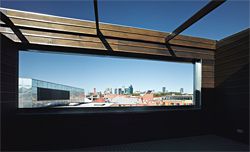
(181, 90)
(163, 89)
(116, 92)
(131, 89)
(127, 91)
(120, 91)
(108, 91)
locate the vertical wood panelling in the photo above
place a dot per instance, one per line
(232, 86)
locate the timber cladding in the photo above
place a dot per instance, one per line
(58, 32)
(232, 86)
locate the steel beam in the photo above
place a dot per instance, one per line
(10, 24)
(197, 16)
(96, 16)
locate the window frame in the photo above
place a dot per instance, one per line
(197, 83)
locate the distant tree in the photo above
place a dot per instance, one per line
(165, 94)
(136, 94)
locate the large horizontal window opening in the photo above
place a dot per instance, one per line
(88, 81)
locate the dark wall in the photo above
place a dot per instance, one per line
(9, 88)
(57, 131)
(232, 86)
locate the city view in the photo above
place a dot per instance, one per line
(102, 82)
(126, 96)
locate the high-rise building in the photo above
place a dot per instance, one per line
(120, 91)
(94, 91)
(123, 89)
(126, 91)
(131, 89)
(163, 89)
(108, 91)
(181, 90)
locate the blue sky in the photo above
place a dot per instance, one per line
(90, 72)
(164, 15)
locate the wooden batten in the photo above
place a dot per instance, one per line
(47, 30)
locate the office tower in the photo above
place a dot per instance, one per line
(120, 91)
(163, 89)
(131, 89)
(181, 90)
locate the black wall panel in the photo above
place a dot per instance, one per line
(52, 94)
(232, 86)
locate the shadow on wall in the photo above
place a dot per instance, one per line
(232, 99)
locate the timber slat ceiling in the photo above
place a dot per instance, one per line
(80, 34)
(41, 21)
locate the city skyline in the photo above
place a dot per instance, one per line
(101, 72)
(116, 90)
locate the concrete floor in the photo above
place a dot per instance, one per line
(196, 143)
